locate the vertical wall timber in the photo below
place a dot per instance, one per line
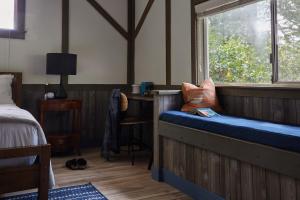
(131, 42)
(65, 32)
(168, 43)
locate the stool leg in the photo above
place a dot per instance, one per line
(141, 137)
(150, 161)
(131, 144)
(129, 139)
(132, 155)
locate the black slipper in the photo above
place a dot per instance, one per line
(72, 164)
(81, 163)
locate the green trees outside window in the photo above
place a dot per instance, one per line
(240, 44)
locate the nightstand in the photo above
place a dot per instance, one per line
(60, 141)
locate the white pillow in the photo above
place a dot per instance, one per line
(5, 89)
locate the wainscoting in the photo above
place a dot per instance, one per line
(281, 105)
(95, 101)
(225, 176)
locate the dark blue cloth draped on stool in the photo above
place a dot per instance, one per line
(112, 127)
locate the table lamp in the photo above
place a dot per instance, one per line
(61, 64)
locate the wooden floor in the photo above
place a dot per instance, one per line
(117, 179)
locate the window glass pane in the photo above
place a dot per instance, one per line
(289, 39)
(239, 44)
(7, 14)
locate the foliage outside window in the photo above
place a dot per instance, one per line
(12, 19)
(240, 43)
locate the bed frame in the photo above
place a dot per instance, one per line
(15, 179)
(210, 166)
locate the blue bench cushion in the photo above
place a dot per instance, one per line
(276, 135)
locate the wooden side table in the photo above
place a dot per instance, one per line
(63, 141)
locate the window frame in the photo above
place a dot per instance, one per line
(19, 16)
(274, 59)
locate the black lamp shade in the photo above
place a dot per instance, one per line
(61, 63)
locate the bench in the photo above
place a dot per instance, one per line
(224, 157)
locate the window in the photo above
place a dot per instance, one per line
(288, 37)
(12, 19)
(257, 42)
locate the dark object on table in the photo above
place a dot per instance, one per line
(145, 88)
(62, 141)
(110, 140)
(61, 64)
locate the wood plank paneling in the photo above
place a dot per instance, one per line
(190, 166)
(214, 172)
(259, 183)
(276, 105)
(95, 101)
(288, 188)
(273, 185)
(246, 181)
(298, 189)
(225, 176)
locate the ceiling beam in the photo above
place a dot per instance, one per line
(144, 15)
(109, 18)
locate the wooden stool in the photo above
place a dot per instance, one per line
(131, 122)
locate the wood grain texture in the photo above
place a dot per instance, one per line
(19, 178)
(162, 103)
(117, 179)
(225, 176)
(95, 100)
(275, 159)
(280, 110)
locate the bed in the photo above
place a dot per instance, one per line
(24, 152)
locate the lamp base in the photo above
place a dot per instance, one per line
(61, 92)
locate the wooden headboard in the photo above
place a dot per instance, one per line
(16, 86)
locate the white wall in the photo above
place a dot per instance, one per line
(43, 25)
(181, 42)
(150, 57)
(150, 47)
(102, 51)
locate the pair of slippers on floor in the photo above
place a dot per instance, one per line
(76, 164)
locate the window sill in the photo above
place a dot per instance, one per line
(275, 86)
(13, 34)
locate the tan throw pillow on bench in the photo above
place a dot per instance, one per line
(200, 97)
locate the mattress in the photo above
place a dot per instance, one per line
(276, 135)
(17, 135)
(18, 128)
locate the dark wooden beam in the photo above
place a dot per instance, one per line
(131, 42)
(65, 32)
(65, 26)
(196, 2)
(168, 43)
(144, 15)
(193, 43)
(109, 18)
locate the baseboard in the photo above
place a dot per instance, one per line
(187, 187)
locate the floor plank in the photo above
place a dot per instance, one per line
(116, 179)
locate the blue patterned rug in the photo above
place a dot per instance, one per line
(80, 192)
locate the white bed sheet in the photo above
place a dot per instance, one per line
(20, 134)
(17, 135)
